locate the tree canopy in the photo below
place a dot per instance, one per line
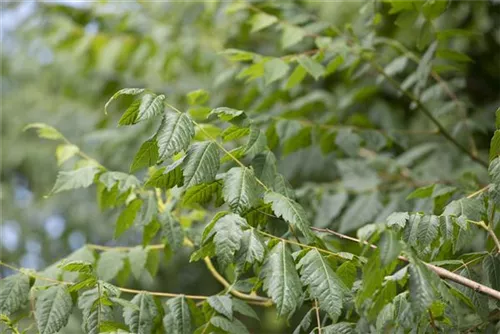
(250, 167)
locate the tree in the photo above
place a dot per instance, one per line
(341, 175)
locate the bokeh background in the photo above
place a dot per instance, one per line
(62, 60)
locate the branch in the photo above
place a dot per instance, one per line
(443, 273)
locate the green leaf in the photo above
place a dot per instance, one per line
(390, 247)
(127, 217)
(252, 249)
(340, 328)
(363, 209)
(14, 293)
(167, 177)
(201, 193)
(178, 317)
(125, 91)
(227, 114)
(197, 97)
(146, 156)
(95, 311)
(334, 64)
(53, 308)
(202, 164)
(79, 178)
(222, 304)
(348, 273)
(296, 77)
(329, 208)
(428, 230)
(172, 229)
(141, 318)
(243, 308)
(109, 264)
(312, 67)
(291, 35)
(233, 326)
(491, 266)
(44, 131)
(398, 218)
(240, 190)
(257, 142)
(453, 55)
(151, 106)
(174, 134)
(324, 284)
(234, 132)
(422, 192)
(291, 211)
(495, 145)
(82, 267)
(274, 69)
(261, 21)
(137, 257)
(281, 280)
(227, 239)
(264, 166)
(421, 292)
(305, 323)
(65, 152)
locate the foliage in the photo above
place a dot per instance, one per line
(366, 127)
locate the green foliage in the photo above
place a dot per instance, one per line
(339, 148)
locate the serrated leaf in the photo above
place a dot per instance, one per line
(222, 304)
(240, 190)
(65, 152)
(172, 229)
(140, 319)
(137, 257)
(243, 308)
(14, 293)
(264, 166)
(421, 292)
(125, 91)
(82, 267)
(291, 211)
(283, 187)
(95, 312)
(274, 69)
(340, 328)
(174, 134)
(361, 211)
(428, 230)
(233, 326)
(291, 35)
(261, 21)
(79, 178)
(178, 317)
(390, 247)
(53, 308)
(491, 266)
(257, 142)
(127, 217)
(201, 193)
(422, 192)
(44, 131)
(329, 208)
(252, 249)
(312, 67)
(146, 156)
(109, 264)
(305, 323)
(150, 107)
(201, 164)
(227, 239)
(398, 218)
(167, 177)
(324, 284)
(281, 280)
(234, 132)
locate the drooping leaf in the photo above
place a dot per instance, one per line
(14, 293)
(146, 156)
(390, 247)
(178, 316)
(281, 280)
(312, 67)
(141, 318)
(398, 218)
(44, 131)
(201, 164)
(340, 328)
(329, 208)
(222, 304)
(261, 21)
(324, 284)
(291, 211)
(257, 142)
(109, 264)
(242, 307)
(421, 291)
(240, 190)
(172, 229)
(167, 177)
(228, 234)
(65, 152)
(125, 91)
(252, 249)
(491, 265)
(53, 308)
(233, 326)
(79, 178)
(138, 257)
(291, 35)
(201, 194)
(199, 96)
(361, 211)
(274, 69)
(127, 217)
(174, 134)
(264, 166)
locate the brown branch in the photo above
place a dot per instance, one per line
(441, 272)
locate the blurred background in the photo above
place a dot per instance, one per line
(62, 60)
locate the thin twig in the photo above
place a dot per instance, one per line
(483, 189)
(318, 318)
(441, 272)
(432, 322)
